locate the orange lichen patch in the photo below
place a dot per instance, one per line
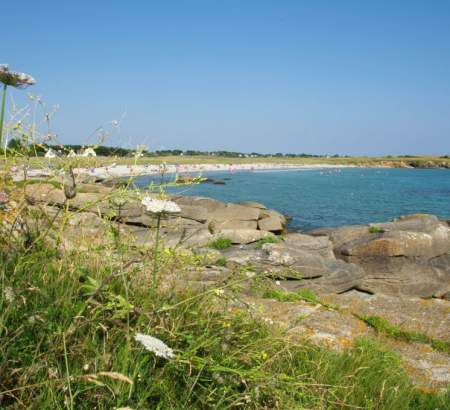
(430, 317)
(428, 368)
(11, 201)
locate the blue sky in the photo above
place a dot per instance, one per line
(346, 77)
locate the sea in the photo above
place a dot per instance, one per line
(330, 197)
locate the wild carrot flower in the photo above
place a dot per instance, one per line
(50, 154)
(89, 152)
(9, 294)
(159, 206)
(12, 79)
(15, 79)
(154, 345)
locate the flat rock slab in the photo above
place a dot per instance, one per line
(243, 236)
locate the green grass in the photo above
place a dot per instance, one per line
(304, 294)
(221, 243)
(65, 343)
(267, 239)
(383, 326)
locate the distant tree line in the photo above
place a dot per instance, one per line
(16, 145)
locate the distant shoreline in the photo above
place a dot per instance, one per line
(122, 171)
(119, 168)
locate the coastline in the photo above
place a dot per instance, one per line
(122, 171)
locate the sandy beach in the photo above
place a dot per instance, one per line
(120, 171)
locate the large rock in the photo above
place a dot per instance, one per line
(252, 204)
(271, 221)
(151, 221)
(320, 269)
(44, 193)
(343, 234)
(217, 226)
(407, 256)
(209, 204)
(319, 245)
(243, 236)
(328, 273)
(234, 212)
(196, 212)
(181, 237)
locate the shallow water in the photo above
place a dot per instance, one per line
(333, 197)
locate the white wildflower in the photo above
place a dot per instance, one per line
(219, 292)
(89, 152)
(152, 344)
(159, 206)
(277, 282)
(15, 79)
(250, 274)
(268, 320)
(50, 154)
(9, 294)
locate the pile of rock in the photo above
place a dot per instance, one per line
(410, 255)
(200, 221)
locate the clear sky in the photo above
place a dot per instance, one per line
(347, 77)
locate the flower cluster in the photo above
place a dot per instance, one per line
(159, 206)
(154, 345)
(15, 79)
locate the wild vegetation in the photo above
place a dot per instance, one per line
(69, 323)
(103, 326)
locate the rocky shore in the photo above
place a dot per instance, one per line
(398, 270)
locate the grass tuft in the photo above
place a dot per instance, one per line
(266, 239)
(385, 327)
(376, 229)
(221, 243)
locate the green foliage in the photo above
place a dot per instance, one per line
(266, 239)
(375, 229)
(221, 243)
(222, 261)
(385, 327)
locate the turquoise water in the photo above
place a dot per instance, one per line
(334, 197)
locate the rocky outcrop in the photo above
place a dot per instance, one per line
(304, 260)
(409, 255)
(242, 223)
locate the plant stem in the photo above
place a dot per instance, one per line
(2, 114)
(67, 372)
(155, 252)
